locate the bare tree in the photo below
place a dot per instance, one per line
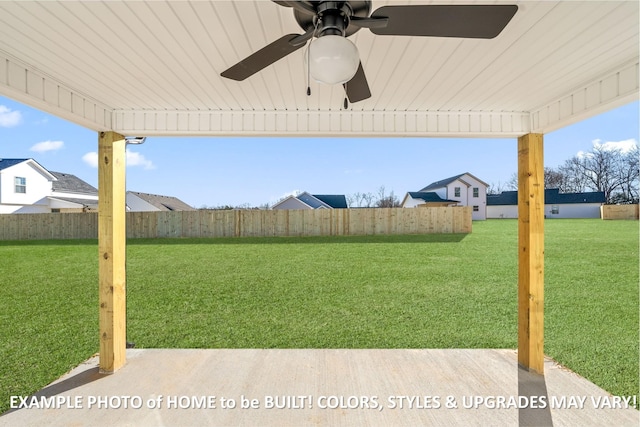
(512, 184)
(598, 169)
(496, 188)
(367, 200)
(553, 178)
(629, 178)
(606, 169)
(360, 200)
(384, 201)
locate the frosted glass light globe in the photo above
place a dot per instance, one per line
(333, 59)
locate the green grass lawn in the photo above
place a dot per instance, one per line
(432, 291)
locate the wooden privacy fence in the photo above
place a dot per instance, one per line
(244, 223)
(619, 211)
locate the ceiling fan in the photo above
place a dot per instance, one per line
(333, 59)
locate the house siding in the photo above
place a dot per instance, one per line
(37, 187)
(582, 210)
(502, 211)
(446, 189)
(568, 210)
(569, 205)
(410, 202)
(136, 204)
(292, 203)
(467, 183)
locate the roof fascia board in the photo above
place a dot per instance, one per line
(322, 123)
(322, 204)
(460, 180)
(38, 167)
(66, 202)
(34, 88)
(313, 197)
(613, 89)
(476, 178)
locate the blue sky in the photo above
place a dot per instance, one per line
(235, 171)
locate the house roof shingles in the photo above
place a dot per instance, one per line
(311, 200)
(164, 203)
(7, 163)
(336, 201)
(68, 183)
(429, 196)
(441, 183)
(444, 182)
(552, 196)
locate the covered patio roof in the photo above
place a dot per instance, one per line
(153, 68)
(146, 68)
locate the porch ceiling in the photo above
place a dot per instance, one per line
(153, 68)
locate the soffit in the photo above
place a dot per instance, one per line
(153, 68)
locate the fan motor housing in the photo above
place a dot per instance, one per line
(333, 17)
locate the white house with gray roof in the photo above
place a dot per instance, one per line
(459, 190)
(27, 187)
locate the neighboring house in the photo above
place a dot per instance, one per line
(464, 189)
(143, 202)
(23, 185)
(556, 204)
(425, 198)
(27, 187)
(313, 201)
(71, 194)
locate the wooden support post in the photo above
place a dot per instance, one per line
(112, 248)
(531, 252)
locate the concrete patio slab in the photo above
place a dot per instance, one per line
(321, 387)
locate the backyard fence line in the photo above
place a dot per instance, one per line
(244, 223)
(619, 211)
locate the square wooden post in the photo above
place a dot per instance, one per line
(531, 252)
(112, 249)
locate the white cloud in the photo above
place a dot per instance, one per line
(624, 146)
(137, 159)
(91, 159)
(133, 159)
(43, 146)
(9, 118)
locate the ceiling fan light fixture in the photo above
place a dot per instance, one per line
(333, 59)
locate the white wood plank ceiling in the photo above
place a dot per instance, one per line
(153, 68)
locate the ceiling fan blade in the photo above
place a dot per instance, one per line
(369, 22)
(357, 88)
(469, 21)
(263, 58)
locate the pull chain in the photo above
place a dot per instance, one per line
(315, 29)
(346, 103)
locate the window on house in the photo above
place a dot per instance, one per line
(21, 185)
(555, 209)
(476, 209)
(55, 210)
(476, 192)
(456, 192)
